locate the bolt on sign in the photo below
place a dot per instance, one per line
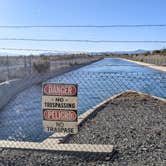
(59, 107)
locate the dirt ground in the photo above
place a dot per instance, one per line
(135, 124)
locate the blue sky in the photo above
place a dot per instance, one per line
(83, 12)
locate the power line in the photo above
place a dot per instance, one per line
(29, 49)
(83, 41)
(84, 26)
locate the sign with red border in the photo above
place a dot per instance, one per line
(59, 106)
(52, 89)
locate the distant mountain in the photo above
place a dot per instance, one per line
(7, 53)
(53, 54)
(139, 51)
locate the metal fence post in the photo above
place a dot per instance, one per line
(25, 65)
(8, 68)
(30, 64)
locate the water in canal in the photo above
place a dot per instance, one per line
(21, 118)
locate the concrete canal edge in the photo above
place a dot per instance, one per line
(72, 149)
(160, 68)
(10, 88)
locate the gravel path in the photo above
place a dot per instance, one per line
(134, 124)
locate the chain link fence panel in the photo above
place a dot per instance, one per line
(123, 122)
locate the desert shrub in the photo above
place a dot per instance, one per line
(141, 60)
(147, 53)
(163, 51)
(41, 67)
(156, 51)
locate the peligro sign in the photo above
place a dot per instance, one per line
(59, 106)
(60, 115)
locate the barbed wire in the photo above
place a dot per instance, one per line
(29, 49)
(85, 41)
(84, 26)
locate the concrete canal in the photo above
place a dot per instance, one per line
(21, 118)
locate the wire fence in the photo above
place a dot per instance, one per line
(132, 122)
(84, 26)
(125, 122)
(82, 40)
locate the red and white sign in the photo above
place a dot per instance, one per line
(59, 105)
(60, 90)
(60, 115)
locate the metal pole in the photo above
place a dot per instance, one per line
(25, 65)
(7, 67)
(30, 65)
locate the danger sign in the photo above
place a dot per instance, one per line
(59, 105)
(60, 90)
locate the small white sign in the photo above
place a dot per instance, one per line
(59, 107)
(59, 102)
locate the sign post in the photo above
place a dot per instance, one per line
(59, 108)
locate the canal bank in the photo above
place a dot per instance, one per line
(153, 66)
(10, 88)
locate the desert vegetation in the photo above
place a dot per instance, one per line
(20, 66)
(157, 57)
